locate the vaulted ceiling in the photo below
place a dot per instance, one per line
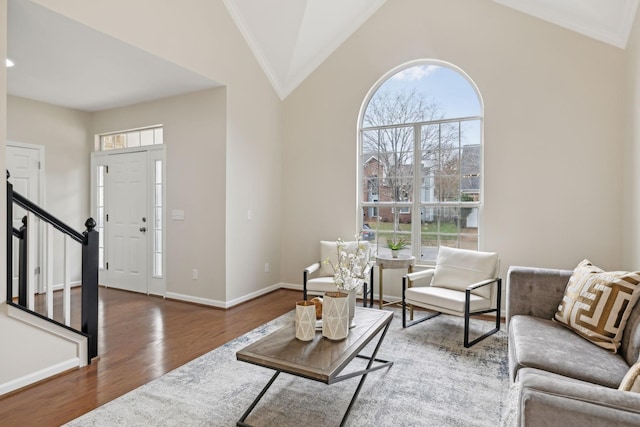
(56, 60)
(609, 21)
(291, 45)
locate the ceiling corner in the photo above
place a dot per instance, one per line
(610, 22)
(237, 17)
(291, 38)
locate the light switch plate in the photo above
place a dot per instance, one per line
(177, 215)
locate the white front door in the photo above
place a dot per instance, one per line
(127, 221)
(23, 164)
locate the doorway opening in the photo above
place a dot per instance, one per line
(25, 163)
(127, 198)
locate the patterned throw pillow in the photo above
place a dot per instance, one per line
(631, 381)
(596, 304)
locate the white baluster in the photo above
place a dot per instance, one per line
(48, 274)
(67, 281)
(32, 251)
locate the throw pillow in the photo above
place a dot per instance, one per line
(596, 304)
(631, 381)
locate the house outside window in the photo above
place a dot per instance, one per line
(421, 152)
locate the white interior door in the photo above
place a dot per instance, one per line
(23, 164)
(126, 209)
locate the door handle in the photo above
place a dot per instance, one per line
(143, 229)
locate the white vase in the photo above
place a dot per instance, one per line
(352, 308)
(335, 315)
(395, 253)
(305, 320)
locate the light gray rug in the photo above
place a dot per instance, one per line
(434, 381)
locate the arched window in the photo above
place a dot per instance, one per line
(421, 159)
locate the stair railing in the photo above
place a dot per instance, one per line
(89, 286)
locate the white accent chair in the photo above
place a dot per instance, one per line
(463, 283)
(318, 277)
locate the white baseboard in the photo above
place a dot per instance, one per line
(253, 295)
(291, 286)
(39, 375)
(196, 300)
(60, 286)
(233, 302)
(281, 285)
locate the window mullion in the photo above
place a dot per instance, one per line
(416, 222)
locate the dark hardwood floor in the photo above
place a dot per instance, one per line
(141, 338)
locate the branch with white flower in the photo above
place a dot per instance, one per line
(351, 267)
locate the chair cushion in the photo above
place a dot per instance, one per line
(321, 284)
(329, 251)
(448, 299)
(596, 304)
(631, 381)
(458, 268)
(324, 284)
(548, 345)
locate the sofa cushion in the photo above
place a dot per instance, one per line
(596, 304)
(631, 381)
(547, 399)
(548, 345)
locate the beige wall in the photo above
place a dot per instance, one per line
(64, 133)
(631, 181)
(194, 135)
(30, 358)
(201, 36)
(553, 134)
(254, 182)
(30, 352)
(554, 119)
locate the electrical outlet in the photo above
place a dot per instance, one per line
(266, 267)
(194, 274)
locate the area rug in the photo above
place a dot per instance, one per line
(434, 381)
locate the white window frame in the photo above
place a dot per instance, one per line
(158, 138)
(416, 206)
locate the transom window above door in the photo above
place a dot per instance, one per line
(132, 138)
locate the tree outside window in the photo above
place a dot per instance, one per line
(421, 148)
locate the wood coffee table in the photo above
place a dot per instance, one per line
(319, 359)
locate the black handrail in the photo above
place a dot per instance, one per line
(88, 239)
(27, 204)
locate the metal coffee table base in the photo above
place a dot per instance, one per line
(364, 372)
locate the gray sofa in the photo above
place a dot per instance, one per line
(560, 378)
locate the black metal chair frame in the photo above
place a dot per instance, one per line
(467, 311)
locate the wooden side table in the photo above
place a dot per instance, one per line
(385, 261)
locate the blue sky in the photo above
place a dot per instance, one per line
(447, 87)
